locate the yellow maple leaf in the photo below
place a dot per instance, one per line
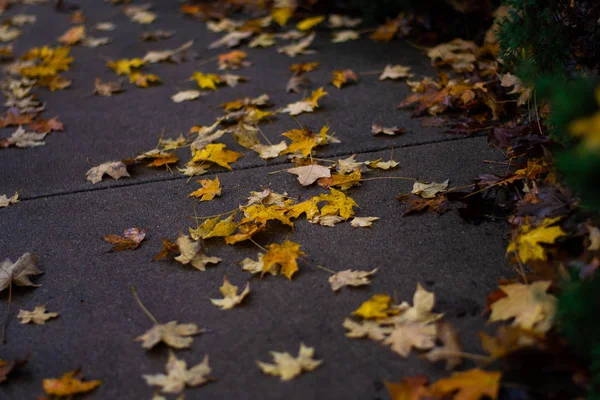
(527, 244)
(343, 181)
(206, 81)
(143, 80)
(316, 95)
(209, 189)
(473, 384)
(216, 153)
(309, 23)
(588, 129)
(124, 66)
(340, 77)
(337, 203)
(305, 67)
(258, 213)
(377, 307)
(231, 298)
(281, 15)
(304, 140)
(284, 255)
(310, 207)
(214, 227)
(68, 385)
(245, 232)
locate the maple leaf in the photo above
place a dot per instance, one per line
(8, 33)
(186, 95)
(281, 15)
(423, 302)
(268, 198)
(18, 273)
(178, 376)
(8, 366)
(143, 80)
(216, 153)
(140, 13)
(233, 60)
(287, 366)
(341, 77)
(368, 329)
(469, 385)
(232, 39)
(41, 125)
(342, 21)
(114, 169)
(344, 182)
(393, 130)
(437, 205)
(429, 190)
(175, 55)
(527, 245)
(385, 165)
(304, 140)
(74, 35)
(308, 174)
(458, 53)
(395, 72)
(106, 88)
(210, 189)
(69, 385)
(38, 316)
(245, 232)
(363, 222)
(379, 306)
(350, 278)
(337, 204)
(125, 66)
(284, 255)
(231, 298)
(309, 23)
(387, 31)
(255, 267)
(411, 388)
(304, 67)
(269, 151)
(168, 249)
(450, 349)
(23, 139)
(344, 36)
(174, 335)
(259, 213)
(412, 334)
(213, 227)
(300, 47)
(309, 207)
(262, 40)
(192, 253)
(530, 306)
(131, 239)
(5, 201)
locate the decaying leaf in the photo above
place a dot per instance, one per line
(528, 243)
(471, 384)
(5, 201)
(23, 139)
(287, 366)
(308, 174)
(530, 306)
(69, 384)
(130, 240)
(429, 190)
(231, 298)
(363, 222)
(341, 77)
(437, 205)
(106, 88)
(174, 335)
(376, 129)
(192, 252)
(412, 334)
(368, 329)
(209, 189)
(168, 249)
(19, 272)
(179, 376)
(114, 169)
(38, 316)
(283, 255)
(350, 278)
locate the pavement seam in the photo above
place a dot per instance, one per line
(126, 184)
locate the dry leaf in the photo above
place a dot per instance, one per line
(22, 19)
(450, 350)
(262, 40)
(363, 222)
(287, 366)
(233, 60)
(385, 165)
(269, 151)
(300, 47)
(73, 35)
(216, 153)
(327, 220)
(437, 205)
(114, 169)
(423, 303)
(158, 157)
(168, 249)
(379, 306)
(23, 139)
(130, 240)
(156, 35)
(304, 67)
(186, 95)
(369, 329)
(342, 21)
(393, 130)
(231, 298)
(8, 33)
(413, 334)
(18, 273)
(284, 255)
(176, 336)
(214, 227)
(429, 190)
(5, 201)
(297, 83)
(528, 243)
(344, 182)
(308, 174)
(232, 39)
(9, 366)
(105, 26)
(341, 77)
(350, 278)
(468, 385)
(106, 88)
(38, 316)
(344, 36)
(176, 55)
(309, 23)
(395, 72)
(410, 388)
(69, 385)
(178, 376)
(192, 252)
(281, 15)
(210, 189)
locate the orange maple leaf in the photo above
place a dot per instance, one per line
(69, 385)
(284, 255)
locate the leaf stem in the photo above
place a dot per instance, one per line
(143, 307)
(326, 269)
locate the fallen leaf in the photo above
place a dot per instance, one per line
(178, 376)
(41, 125)
(395, 72)
(130, 240)
(269, 151)
(216, 153)
(344, 182)
(300, 47)
(281, 15)
(232, 39)
(18, 273)
(22, 19)
(379, 306)
(327, 220)
(175, 55)
(473, 384)
(304, 67)
(344, 36)
(393, 130)
(140, 13)
(215, 227)
(309, 23)
(306, 105)
(350, 278)
(341, 77)
(429, 190)
(530, 306)
(287, 366)
(23, 139)
(9, 366)
(168, 249)
(450, 350)
(337, 204)
(284, 255)
(233, 60)
(413, 334)
(437, 205)
(105, 26)
(206, 81)
(297, 83)
(342, 21)
(69, 385)
(106, 88)
(308, 174)
(411, 388)
(5, 201)
(174, 335)
(114, 169)
(262, 40)
(231, 298)
(459, 54)
(528, 244)
(210, 189)
(8, 33)
(38, 316)
(156, 35)
(73, 35)
(369, 329)
(125, 66)
(186, 95)
(232, 80)
(421, 311)
(77, 17)
(95, 41)
(192, 252)
(385, 165)
(363, 222)
(158, 157)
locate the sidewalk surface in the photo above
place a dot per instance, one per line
(62, 217)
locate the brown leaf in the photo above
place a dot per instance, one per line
(450, 349)
(169, 249)
(416, 204)
(9, 366)
(130, 240)
(45, 126)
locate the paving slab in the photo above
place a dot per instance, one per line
(101, 129)
(91, 287)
